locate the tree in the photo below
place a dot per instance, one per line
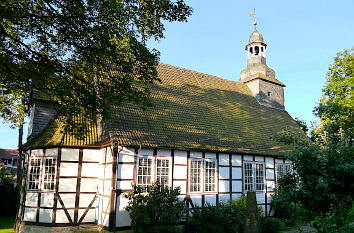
(322, 186)
(87, 55)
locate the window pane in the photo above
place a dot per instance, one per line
(144, 172)
(195, 180)
(49, 169)
(34, 173)
(162, 171)
(259, 176)
(210, 169)
(248, 176)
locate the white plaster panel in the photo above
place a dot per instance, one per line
(196, 154)
(125, 171)
(270, 185)
(210, 155)
(30, 214)
(278, 160)
(236, 186)
(236, 160)
(90, 216)
(67, 185)
(182, 184)
(38, 152)
(180, 172)
(88, 185)
(224, 173)
(47, 200)
(31, 199)
(51, 152)
(247, 158)
(180, 157)
(260, 198)
(68, 169)
(45, 215)
(259, 158)
(107, 187)
(90, 169)
(108, 171)
(288, 161)
(224, 198)
(146, 152)
(224, 159)
(236, 196)
(105, 203)
(68, 200)
(270, 174)
(122, 216)
(85, 199)
(236, 173)
(211, 199)
(109, 157)
(69, 154)
(163, 152)
(100, 187)
(124, 184)
(101, 171)
(197, 200)
(61, 216)
(224, 186)
(126, 155)
(269, 198)
(269, 162)
(91, 155)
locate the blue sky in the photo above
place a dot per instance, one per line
(302, 38)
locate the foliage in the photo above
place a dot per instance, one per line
(157, 210)
(270, 225)
(8, 192)
(223, 217)
(7, 224)
(302, 124)
(88, 55)
(322, 187)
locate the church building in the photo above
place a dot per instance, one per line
(210, 136)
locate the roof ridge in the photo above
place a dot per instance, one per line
(237, 82)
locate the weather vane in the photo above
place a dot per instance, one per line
(253, 14)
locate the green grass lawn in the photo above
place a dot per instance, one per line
(7, 224)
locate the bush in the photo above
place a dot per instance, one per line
(224, 217)
(157, 210)
(8, 192)
(270, 225)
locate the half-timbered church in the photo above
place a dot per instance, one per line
(208, 135)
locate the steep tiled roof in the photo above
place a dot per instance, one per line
(191, 110)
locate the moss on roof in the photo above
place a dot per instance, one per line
(191, 110)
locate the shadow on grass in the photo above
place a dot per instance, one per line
(7, 224)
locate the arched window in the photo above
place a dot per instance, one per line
(256, 49)
(251, 51)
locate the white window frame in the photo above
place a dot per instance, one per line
(154, 168)
(202, 175)
(215, 175)
(286, 167)
(42, 175)
(254, 176)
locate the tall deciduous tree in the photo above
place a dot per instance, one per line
(86, 54)
(323, 183)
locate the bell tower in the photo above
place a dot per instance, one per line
(258, 77)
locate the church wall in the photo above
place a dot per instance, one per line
(229, 176)
(67, 194)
